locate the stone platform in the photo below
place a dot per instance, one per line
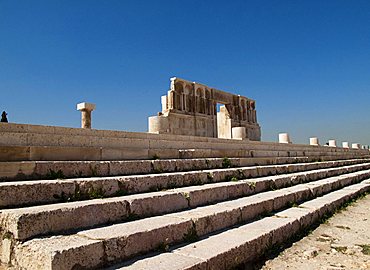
(20, 142)
(96, 199)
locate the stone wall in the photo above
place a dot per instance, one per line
(190, 108)
(20, 142)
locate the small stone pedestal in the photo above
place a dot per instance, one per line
(239, 133)
(86, 109)
(332, 143)
(314, 141)
(356, 146)
(345, 144)
(284, 138)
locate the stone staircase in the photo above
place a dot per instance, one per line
(214, 213)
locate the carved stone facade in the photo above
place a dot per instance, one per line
(190, 108)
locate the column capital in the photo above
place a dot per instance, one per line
(85, 106)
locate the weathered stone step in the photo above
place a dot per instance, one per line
(12, 171)
(137, 152)
(121, 241)
(234, 247)
(23, 193)
(28, 222)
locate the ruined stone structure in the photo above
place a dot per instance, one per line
(190, 108)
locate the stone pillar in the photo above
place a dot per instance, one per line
(86, 109)
(171, 100)
(314, 141)
(345, 144)
(239, 133)
(164, 103)
(284, 138)
(332, 143)
(356, 146)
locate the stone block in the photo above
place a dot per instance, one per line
(86, 106)
(64, 153)
(12, 170)
(284, 138)
(165, 261)
(257, 205)
(163, 153)
(13, 128)
(129, 167)
(14, 153)
(239, 133)
(206, 194)
(57, 253)
(34, 192)
(16, 139)
(155, 203)
(25, 223)
(314, 141)
(123, 153)
(125, 240)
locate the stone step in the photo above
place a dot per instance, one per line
(27, 193)
(21, 134)
(137, 152)
(242, 244)
(13, 171)
(24, 223)
(121, 241)
(75, 169)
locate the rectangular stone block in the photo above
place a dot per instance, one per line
(155, 203)
(11, 170)
(25, 223)
(34, 192)
(14, 153)
(57, 253)
(129, 167)
(165, 261)
(13, 139)
(122, 241)
(211, 218)
(64, 153)
(124, 153)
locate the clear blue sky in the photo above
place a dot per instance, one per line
(307, 63)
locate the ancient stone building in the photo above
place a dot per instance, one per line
(190, 108)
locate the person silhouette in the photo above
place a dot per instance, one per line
(3, 117)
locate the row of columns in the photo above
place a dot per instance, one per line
(284, 138)
(196, 104)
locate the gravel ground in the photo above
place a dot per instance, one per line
(342, 242)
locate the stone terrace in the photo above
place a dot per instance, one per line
(93, 199)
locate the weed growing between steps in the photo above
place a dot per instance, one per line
(191, 236)
(51, 175)
(93, 171)
(163, 247)
(226, 163)
(210, 177)
(92, 193)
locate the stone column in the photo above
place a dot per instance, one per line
(284, 138)
(345, 144)
(171, 100)
(332, 143)
(314, 141)
(86, 109)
